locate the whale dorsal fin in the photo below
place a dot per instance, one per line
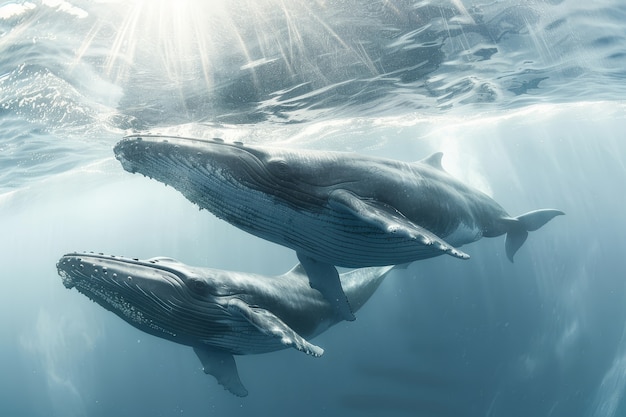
(434, 161)
(296, 270)
(269, 324)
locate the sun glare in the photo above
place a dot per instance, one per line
(170, 35)
(194, 38)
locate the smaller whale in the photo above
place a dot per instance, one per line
(218, 313)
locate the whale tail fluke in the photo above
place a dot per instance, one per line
(521, 225)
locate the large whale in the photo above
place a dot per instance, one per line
(332, 208)
(218, 313)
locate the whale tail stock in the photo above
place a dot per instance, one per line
(518, 228)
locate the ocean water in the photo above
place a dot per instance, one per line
(527, 100)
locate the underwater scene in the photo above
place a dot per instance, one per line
(313, 208)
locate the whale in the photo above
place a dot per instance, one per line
(218, 313)
(333, 208)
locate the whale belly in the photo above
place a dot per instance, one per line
(464, 234)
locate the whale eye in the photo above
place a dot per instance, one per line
(198, 286)
(279, 167)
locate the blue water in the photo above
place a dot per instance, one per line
(527, 100)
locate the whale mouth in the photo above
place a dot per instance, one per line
(93, 277)
(77, 272)
(184, 163)
(134, 290)
(132, 150)
(66, 278)
(84, 270)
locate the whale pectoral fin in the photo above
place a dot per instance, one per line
(222, 366)
(391, 222)
(269, 324)
(325, 278)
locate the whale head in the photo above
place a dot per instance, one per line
(213, 172)
(160, 296)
